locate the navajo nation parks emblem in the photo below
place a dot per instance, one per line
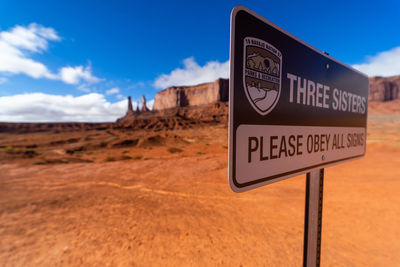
(292, 108)
(261, 74)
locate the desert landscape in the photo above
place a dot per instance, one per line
(153, 191)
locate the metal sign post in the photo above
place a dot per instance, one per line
(313, 218)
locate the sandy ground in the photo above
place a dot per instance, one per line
(85, 198)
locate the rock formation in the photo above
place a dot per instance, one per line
(144, 107)
(137, 107)
(130, 114)
(384, 88)
(182, 107)
(130, 108)
(182, 96)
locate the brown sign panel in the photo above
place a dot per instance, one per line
(292, 108)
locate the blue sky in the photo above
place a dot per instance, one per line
(78, 60)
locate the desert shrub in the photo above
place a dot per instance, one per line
(174, 150)
(75, 150)
(103, 144)
(224, 146)
(40, 162)
(30, 153)
(31, 146)
(137, 157)
(126, 157)
(109, 158)
(126, 143)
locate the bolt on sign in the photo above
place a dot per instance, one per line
(292, 108)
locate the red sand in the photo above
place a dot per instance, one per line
(174, 207)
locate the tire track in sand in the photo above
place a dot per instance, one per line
(146, 190)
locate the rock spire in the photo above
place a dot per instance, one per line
(130, 108)
(144, 107)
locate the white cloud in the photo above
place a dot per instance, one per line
(112, 91)
(119, 96)
(192, 74)
(19, 43)
(16, 44)
(385, 63)
(115, 91)
(33, 38)
(74, 75)
(150, 104)
(39, 107)
(139, 84)
(84, 88)
(3, 80)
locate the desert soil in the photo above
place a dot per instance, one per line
(140, 198)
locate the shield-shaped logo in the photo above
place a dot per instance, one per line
(262, 72)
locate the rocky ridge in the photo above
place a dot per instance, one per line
(384, 88)
(197, 95)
